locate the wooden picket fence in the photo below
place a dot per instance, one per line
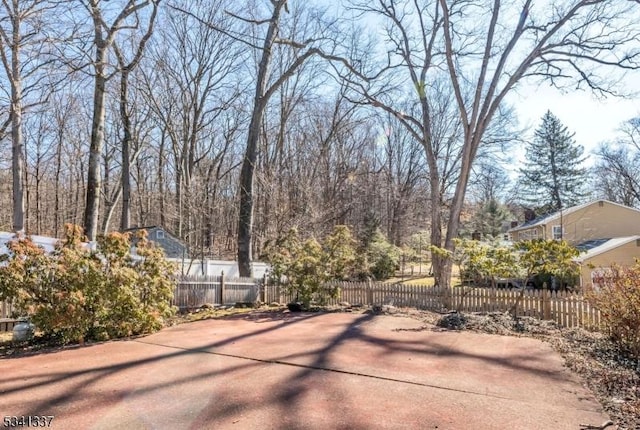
(195, 291)
(568, 309)
(7, 322)
(6, 309)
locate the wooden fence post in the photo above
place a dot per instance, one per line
(369, 293)
(222, 288)
(546, 304)
(264, 289)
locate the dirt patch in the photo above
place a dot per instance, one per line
(205, 313)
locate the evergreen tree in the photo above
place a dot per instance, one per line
(553, 177)
(489, 218)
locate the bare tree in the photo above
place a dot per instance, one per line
(401, 158)
(104, 35)
(22, 42)
(485, 53)
(190, 86)
(266, 86)
(125, 116)
(489, 181)
(617, 175)
(617, 171)
(65, 114)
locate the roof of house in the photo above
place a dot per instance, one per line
(545, 219)
(149, 227)
(48, 243)
(594, 247)
(146, 227)
(45, 242)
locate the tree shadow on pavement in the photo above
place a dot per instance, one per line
(288, 394)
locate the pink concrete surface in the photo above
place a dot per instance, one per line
(301, 371)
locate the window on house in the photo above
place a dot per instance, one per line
(557, 232)
(529, 234)
(159, 234)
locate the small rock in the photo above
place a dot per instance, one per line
(274, 304)
(389, 309)
(345, 304)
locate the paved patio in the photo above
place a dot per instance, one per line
(301, 371)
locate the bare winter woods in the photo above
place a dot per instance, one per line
(230, 122)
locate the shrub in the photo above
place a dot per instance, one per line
(618, 297)
(339, 253)
(482, 263)
(383, 257)
(549, 258)
(74, 294)
(305, 268)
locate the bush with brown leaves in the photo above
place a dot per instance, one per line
(74, 294)
(617, 295)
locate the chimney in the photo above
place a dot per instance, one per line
(529, 215)
(514, 224)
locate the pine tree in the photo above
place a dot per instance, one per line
(489, 218)
(553, 177)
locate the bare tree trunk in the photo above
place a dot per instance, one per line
(245, 217)
(38, 180)
(94, 178)
(125, 216)
(17, 163)
(263, 93)
(125, 70)
(111, 205)
(161, 197)
(104, 36)
(56, 208)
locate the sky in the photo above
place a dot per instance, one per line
(593, 121)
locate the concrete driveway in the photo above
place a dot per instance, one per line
(301, 371)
